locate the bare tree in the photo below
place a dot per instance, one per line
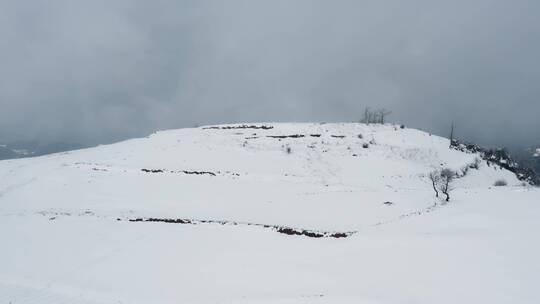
(375, 116)
(367, 114)
(452, 135)
(435, 178)
(382, 113)
(447, 176)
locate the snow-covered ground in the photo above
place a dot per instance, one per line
(67, 236)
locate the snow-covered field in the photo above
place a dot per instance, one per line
(67, 237)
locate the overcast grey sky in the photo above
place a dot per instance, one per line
(101, 70)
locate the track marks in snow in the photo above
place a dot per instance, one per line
(415, 213)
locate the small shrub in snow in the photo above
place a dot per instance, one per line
(475, 164)
(402, 127)
(500, 183)
(464, 170)
(360, 136)
(288, 149)
(365, 145)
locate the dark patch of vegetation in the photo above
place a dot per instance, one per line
(338, 136)
(500, 183)
(287, 136)
(315, 135)
(198, 172)
(163, 220)
(152, 170)
(311, 234)
(263, 127)
(279, 229)
(501, 158)
(181, 171)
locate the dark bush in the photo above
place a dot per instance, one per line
(500, 183)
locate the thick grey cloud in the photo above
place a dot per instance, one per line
(96, 71)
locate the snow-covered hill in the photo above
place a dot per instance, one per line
(194, 215)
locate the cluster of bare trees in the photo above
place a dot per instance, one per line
(441, 181)
(375, 116)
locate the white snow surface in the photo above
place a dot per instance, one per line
(66, 237)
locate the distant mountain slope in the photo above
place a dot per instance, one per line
(529, 157)
(6, 153)
(32, 149)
